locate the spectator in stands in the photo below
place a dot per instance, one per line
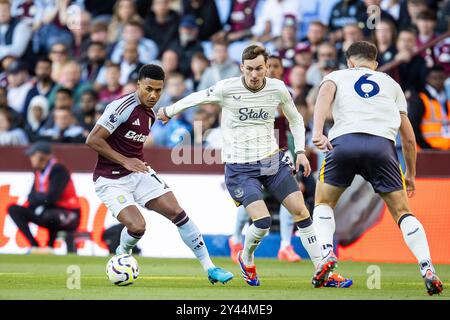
(314, 37)
(37, 113)
(18, 85)
(286, 42)
(93, 62)
(59, 55)
(394, 8)
(170, 61)
(70, 79)
(426, 23)
(15, 34)
(206, 131)
(43, 83)
(297, 81)
(50, 26)
(374, 13)
(408, 17)
(174, 89)
(206, 14)
(129, 87)
(187, 43)
(327, 62)
(346, 12)
(99, 34)
(351, 34)
(130, 65)
(221, 67)
(86, 113)
(411, 73)
(199, 64)
(10, 136)
(239, 23)
(64, 129)
(269, 24)
(124, 11)
(4, 64)
(52, 202)
(430, 113)
(113, 89)
(172, 135)
(161, 24)
(80, 26)
(16, 118)
(385, 39)
(63, 99)
(303, 55)
(133, 31)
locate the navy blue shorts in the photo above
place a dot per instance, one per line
(372, 157)
(245, 181)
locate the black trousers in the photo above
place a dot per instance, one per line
(54, 219)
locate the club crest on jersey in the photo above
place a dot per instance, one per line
(246, 113)
(113, 118)
(210, 91)
(135, 137)
(239, 192)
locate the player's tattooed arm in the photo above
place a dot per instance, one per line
(97, 141)
(409, 151)
(322, 109)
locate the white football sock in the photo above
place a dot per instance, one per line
(324, 225)
(309, 240)
(194, 240)
(241, 220)
(253, 237)
(416, 240)
(127, 242)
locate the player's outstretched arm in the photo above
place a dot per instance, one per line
(409, 152)
(322, 108)
(97, 141)
(210, 95)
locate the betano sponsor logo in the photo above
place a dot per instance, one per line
(135, 137)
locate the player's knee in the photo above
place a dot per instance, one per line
(263, 223)
(300, 212)
(137, 228)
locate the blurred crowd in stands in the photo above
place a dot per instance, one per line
(63, 61)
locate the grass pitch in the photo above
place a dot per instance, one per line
(45, 277)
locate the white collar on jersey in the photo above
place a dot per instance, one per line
(136, 96)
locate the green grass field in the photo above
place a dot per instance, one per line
(45, 277)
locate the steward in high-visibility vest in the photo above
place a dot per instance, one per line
(52, 202)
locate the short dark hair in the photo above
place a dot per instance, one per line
(428, 15)
(277, 57)
(362, 50)
(253, 51)
(65, 91)
(151, 71)
(43, 59)
(90, 92)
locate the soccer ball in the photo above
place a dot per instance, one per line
(122, 269)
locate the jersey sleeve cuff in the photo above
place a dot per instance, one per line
(110, 128)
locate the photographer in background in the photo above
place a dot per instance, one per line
(326, 62)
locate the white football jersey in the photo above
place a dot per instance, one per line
(366, 101)
(248, 117)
